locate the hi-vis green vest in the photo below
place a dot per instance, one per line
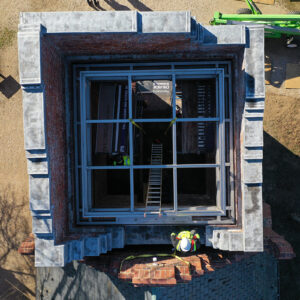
(187, 234)
(126, 161)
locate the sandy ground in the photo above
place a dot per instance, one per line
(17, 272)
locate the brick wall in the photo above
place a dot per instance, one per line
(120, 44)
(53, 79)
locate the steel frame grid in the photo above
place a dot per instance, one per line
(218, 211)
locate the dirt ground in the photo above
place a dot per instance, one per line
(281, 125)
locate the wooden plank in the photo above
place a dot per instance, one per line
(268, 2)
(292, 76)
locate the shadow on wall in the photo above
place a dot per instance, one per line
(13, 229)
(138, 5)
(281, 189)
(277, 55)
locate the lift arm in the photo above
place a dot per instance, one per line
(255, 10)
(275, 25)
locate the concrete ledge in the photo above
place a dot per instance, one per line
(103, 243)
(236, 240)
(37, 166)
(109, 21)
(91, 246)
(221, 238)
(118, 237)
(253, 218)
(77, 249)
(36, 153)
(252, 171)
(30, 54)
(253, 153)
(39, 193)
(109, 241)
(255, 62)
(33, 115)
(47, 254)
(254, 104)
(253, 132)
(83, 21)
(229, 34)
(42, 225)
(166, 22)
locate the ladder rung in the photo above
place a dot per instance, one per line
(155, 178)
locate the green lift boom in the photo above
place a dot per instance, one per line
(275, 25)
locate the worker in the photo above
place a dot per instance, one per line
(119, 160)
(186, 241)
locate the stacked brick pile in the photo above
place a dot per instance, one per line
(165, 271)
(27, 247)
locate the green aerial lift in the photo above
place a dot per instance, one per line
(275, 25)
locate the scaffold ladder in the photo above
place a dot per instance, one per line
(154, 191)
(201, 113)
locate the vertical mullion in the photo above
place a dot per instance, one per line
(217, 95)
(83, 141)
(218, 143)
(174, 143)
(88, 143)
(231, 181)
(222, 140)
(76, 141)
(130, 144)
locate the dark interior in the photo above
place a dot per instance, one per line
(109, 142)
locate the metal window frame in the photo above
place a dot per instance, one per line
(87, 76)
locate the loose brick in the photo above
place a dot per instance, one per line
(170, 281)
(28, 246)
(164, 274)
(125, 276)
(170, 273)
(157, 274)
(145, 274)
(184, 270)
(197, 273)
(141, 281)
(184, 278)
(137, 273)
